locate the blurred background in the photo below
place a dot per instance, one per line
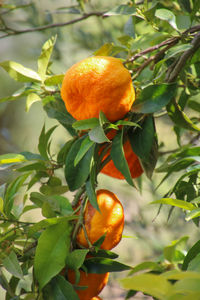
(145, 234)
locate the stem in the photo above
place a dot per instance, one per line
(50, 26)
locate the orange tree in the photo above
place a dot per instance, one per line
(62, 255)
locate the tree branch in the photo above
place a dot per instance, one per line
(170, 42)
(49, 26)
(171, 77)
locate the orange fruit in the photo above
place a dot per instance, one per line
(132, 160)
(109, 221)
(96, 298)
(98, 83)
(94, 282)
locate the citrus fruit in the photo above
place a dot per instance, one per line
(94, 282)
(109, 221)
(98, 83)
(132, 160)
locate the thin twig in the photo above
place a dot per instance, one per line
(54, 25)
(155, 58)
(170, 42)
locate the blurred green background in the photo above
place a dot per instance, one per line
(19, 130)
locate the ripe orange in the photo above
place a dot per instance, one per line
(98, 83)
(95, 283)
(110, 221)
(132, 160)
(96, 298)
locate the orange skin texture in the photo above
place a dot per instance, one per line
(95, 283)
(98, 83)
(132, 160)
(110, 221)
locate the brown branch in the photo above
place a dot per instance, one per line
(170, 42)
(54, 25)
(183, 59)
(155, 58)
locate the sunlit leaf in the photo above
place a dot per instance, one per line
(12, 158)
(151, 284)
(117, 155)
(19, 72)
(45, 56)
(31, 98)
(175, 202)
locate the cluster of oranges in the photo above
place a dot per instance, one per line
(95, 84)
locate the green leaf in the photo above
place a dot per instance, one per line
(62, 154)
(55, 108)
(77, 175)
(90, 190)
(12, 265)
(150, 284)
(117, 155)
(53, 190)
(144, 144)
(11, 158)
(104, 253)
(192, 253)
(154, 97)
(44, 140)
(180, 118)
(54, 80)
(44, 58)
(141, 139)
(178, 165)
(19, 72)
(185, 5)
(195, 213)
(177, 50)
(147, 265)
(177, 275)
(31, 156)
(48, 222)
(194, 264)
(85, 146)
(97, 135)
(51, 252)
(75, 259)
(122, 10)
(86, 124)
(183, 22)
(1, 204)
(175, 202)
(102, 265)
(129, 28)
(105, 50)
(11, 192)
(31, 98)
(170, 252)
(62, 289)
(57, 203)
(166, 15)
(40, 166)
